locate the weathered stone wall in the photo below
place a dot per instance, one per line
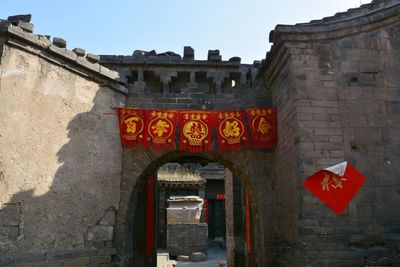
(336, 87)
(60, 163)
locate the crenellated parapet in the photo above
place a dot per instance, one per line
(169, 72)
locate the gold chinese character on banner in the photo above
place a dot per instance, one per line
(160, 128)
(131, 124)
(263, 126)
(231, 129)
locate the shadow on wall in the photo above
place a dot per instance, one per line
(78, 211)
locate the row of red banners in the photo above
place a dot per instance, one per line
(157, 128)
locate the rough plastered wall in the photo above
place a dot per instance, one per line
(345, 89)
(60, 163)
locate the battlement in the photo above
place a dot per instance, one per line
(169, 72)
(153, 58)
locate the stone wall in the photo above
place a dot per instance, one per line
(185, 239)
(60, 160)
(335, 84)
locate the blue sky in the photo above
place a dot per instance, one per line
(235, 27)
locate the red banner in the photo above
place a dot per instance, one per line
(336, 185)
(157, 128)
(131, 126)
(195, 130)
(231, 130)
(263, 127)
(161, 127)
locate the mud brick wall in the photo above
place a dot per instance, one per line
(60, 155)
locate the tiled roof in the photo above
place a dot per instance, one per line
(175, 173)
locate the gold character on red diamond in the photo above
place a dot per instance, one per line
(331, 181)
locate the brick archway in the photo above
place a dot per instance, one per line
(253, 167)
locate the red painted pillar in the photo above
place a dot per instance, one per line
(247, 226)
(206, 211)
(150, 237)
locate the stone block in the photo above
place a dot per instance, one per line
(59, 42)
(47, 264)
(79, 52)
(184, 239)
(24, 18)
(43, 41)
(70, 254)
(4, 25)
(213, 55)
(235, 59)
(93, 58)
(182, 258)
(79, 262)
(100, 233)
(188, 53)
(109, 73)
(28, 257)
(93, 66)
(100, 259)
(26, 26)
(63, 52)
(198, 256)
(107, 251)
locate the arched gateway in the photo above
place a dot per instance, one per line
(253, 168)
(70, 194)
(169, 82)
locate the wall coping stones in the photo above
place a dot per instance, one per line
(165, 61)
(24, 18)
(344, 22)
(368, 17)
(57, 53)
(169, 58)
(93, 58)
(59, 42)
(79, 52)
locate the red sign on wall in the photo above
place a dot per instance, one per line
(220, 197)
(157, 128)
(231, 130)
(195, 130)
(131, 126)
(263, 127)
(161, 126)
(335, 186)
